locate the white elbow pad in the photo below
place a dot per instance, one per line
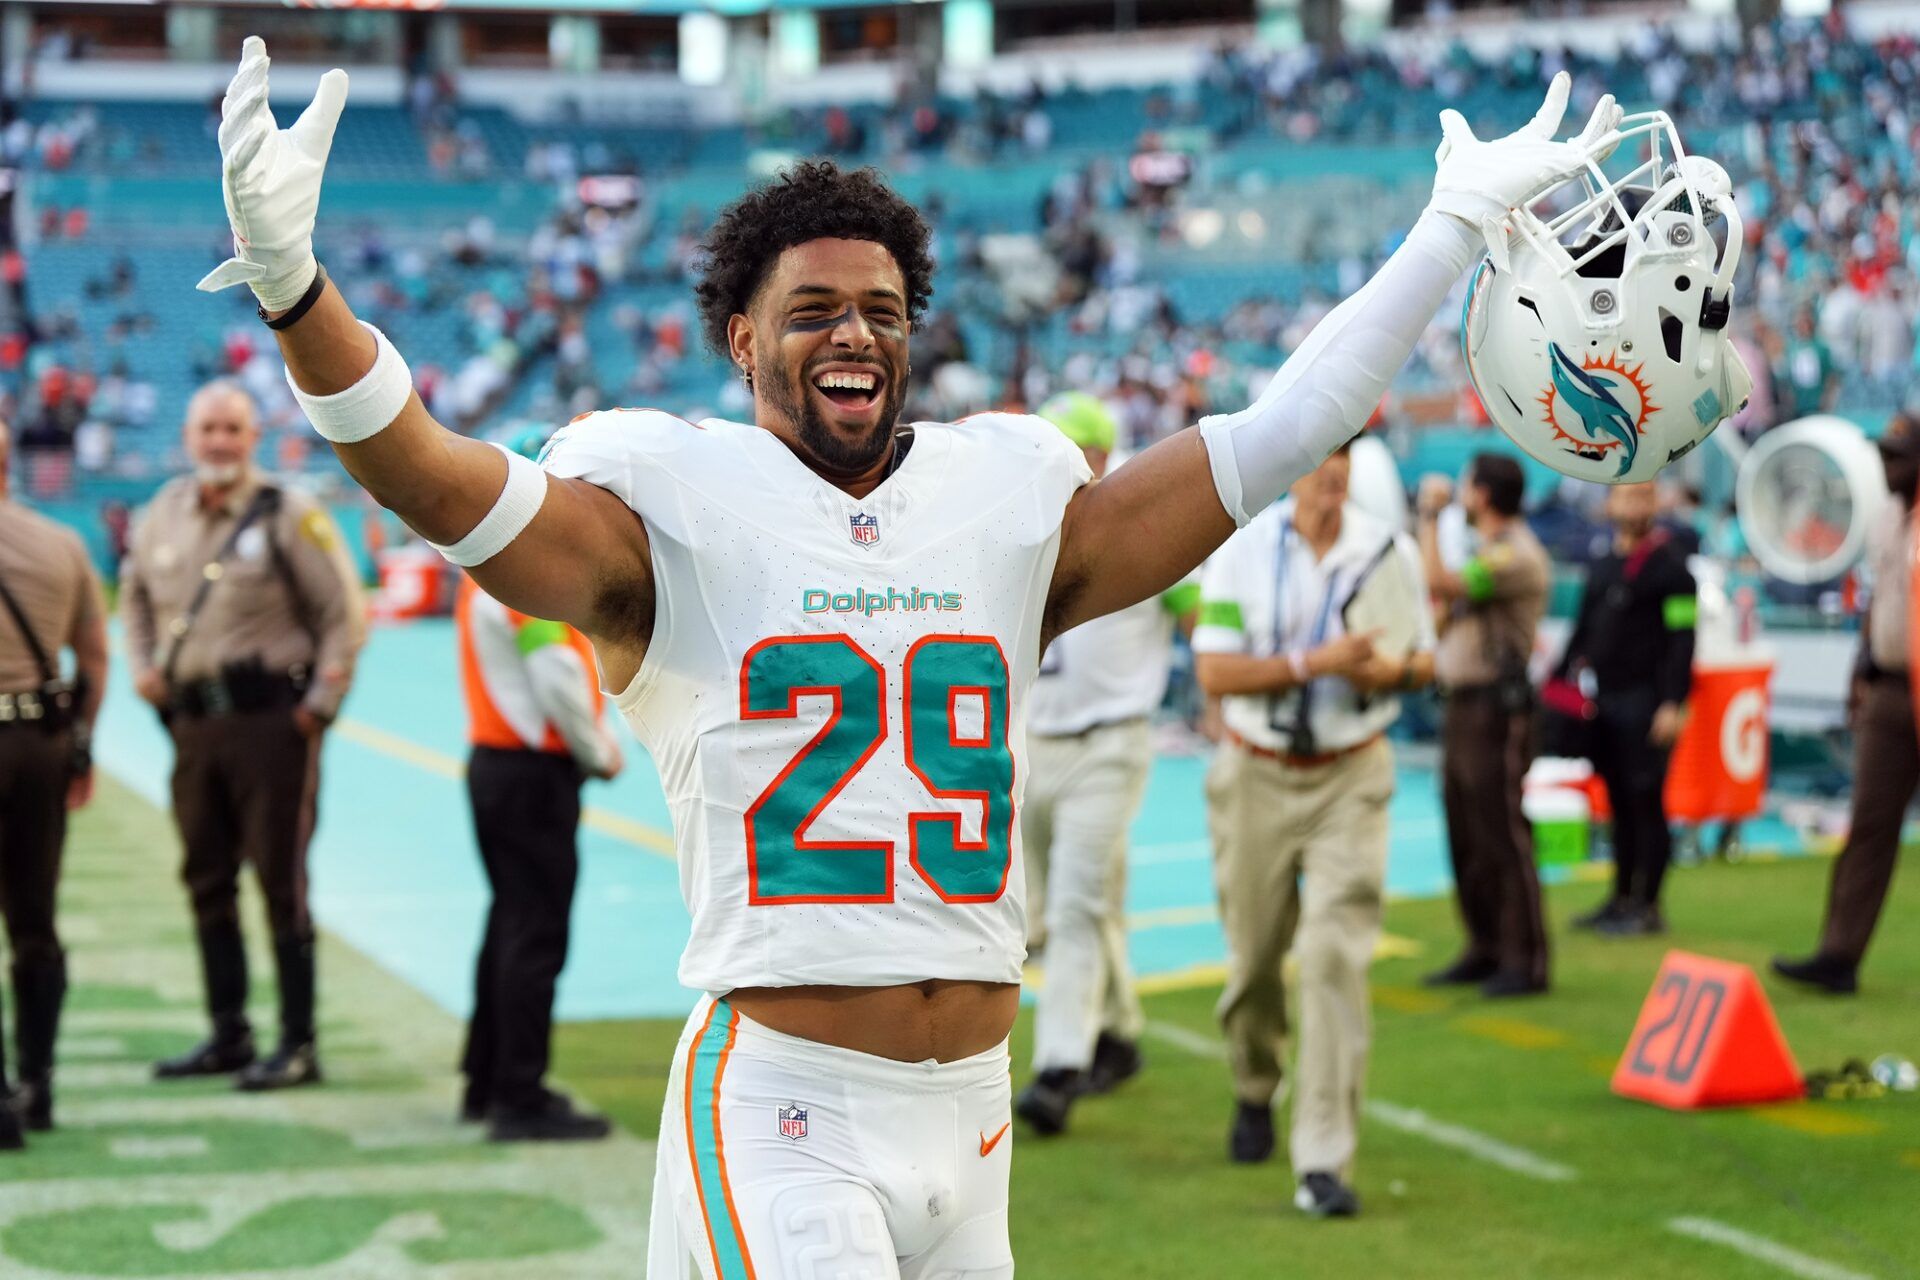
(366, 408)
(512, 512)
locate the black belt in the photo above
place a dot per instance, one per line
(1882, 676)
(231, 696)
(1094, 728)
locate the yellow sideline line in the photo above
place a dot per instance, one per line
(640, 835)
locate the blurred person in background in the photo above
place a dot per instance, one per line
(1297, 808)
(49, 602)
(243, 618)
(1886, 752)
(534, 724)
(1808, 380)
(1631, 652)
(1089, 754)
(1493, 605)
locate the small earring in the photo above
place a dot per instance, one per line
(746, 375)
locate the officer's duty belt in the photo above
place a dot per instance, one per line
(218, 697)
(27, 710)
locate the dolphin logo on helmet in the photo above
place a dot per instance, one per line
(1601, 414)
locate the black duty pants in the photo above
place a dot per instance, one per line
(1635, 772)
(35, 767)
(526, 814)
(1485, 753)
(1886, 770)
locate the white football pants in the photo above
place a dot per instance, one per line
(1082, 794)
(784, 1159)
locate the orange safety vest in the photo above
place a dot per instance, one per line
(486, 726)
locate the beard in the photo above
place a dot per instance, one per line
(834, 453)
(218, 475)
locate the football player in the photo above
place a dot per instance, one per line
(822, 624)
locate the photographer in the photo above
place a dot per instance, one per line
(1632, 645)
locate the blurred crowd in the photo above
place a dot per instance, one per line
(1817, 127)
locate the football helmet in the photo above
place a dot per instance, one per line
(1596, 336)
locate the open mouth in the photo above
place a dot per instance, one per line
(850, 389)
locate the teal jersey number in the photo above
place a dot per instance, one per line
(940, 672)
(783, 864)
(786, 865)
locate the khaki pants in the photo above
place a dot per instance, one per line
(1300, 860)
(1082, 793)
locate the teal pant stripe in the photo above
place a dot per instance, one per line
(729, 1248)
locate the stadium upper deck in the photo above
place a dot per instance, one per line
(1160, 243)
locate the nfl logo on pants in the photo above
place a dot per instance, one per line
(793, 1122)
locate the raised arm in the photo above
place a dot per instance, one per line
(1137, 531)
(554, 548)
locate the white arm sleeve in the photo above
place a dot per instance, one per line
(1326, 391)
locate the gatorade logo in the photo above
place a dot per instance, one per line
(1743, 735)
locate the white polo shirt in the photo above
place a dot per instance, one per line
(1264, 593)
(1111, 669)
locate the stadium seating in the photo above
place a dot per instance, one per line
(1351, 146)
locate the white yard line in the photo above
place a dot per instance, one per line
(1406, 1119)
(1761, 1249)
(1192, 1041)
(1470, 1142)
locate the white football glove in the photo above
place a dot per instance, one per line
(1479, 182)
(271, 179)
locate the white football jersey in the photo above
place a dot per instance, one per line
(834, 695)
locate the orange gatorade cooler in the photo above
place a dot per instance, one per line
(1719, 765)
(412, 584)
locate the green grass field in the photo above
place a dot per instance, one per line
(371, 1178)
(1141, 1188)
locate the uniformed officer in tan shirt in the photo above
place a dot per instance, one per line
(243, 616)
(1492, 609)
(49, 602)
(1886, 751)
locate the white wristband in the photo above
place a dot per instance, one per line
(366, 408)
(512, 512)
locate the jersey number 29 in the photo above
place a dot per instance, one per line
(784, 863)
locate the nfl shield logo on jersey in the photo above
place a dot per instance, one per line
(866, 528)
(793, 1122)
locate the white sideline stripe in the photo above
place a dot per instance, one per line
(1192, 1041)
(1470, 1142)
(1408, 1120)
(1761, 1249)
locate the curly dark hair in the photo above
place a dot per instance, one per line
(814, 200)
